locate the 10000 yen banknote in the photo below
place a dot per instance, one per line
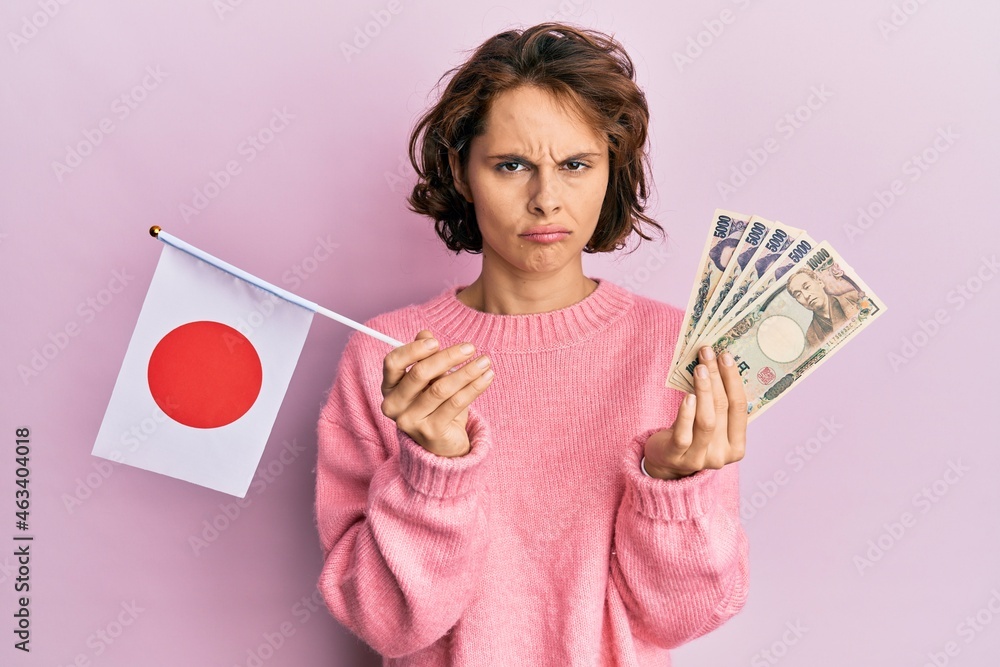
(796, 325)
(781, 308)
(788, 260)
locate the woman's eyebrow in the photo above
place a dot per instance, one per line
(520, 158)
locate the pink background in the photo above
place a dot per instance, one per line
(335, 176)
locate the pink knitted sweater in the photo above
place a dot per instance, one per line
(545, 544)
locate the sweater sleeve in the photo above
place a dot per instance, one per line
(680, 558)
(403, 531)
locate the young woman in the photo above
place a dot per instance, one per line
(517, 485)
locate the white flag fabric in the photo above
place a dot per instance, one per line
(204, 375)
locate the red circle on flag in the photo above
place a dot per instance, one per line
(204, 374)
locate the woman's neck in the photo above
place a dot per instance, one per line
(525, 297)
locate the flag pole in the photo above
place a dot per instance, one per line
(157, 233)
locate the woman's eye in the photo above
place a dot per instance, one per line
(503, 166)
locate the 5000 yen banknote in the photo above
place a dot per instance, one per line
(796, 325)
(727, 229)
(762, 244)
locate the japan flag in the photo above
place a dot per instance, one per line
(204, 375)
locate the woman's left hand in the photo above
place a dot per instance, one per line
(711, 426)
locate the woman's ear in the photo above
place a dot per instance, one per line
(458, 175)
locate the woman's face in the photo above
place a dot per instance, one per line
(537, 165)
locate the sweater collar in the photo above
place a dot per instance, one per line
(531, 332)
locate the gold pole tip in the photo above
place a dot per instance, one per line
(154, 231)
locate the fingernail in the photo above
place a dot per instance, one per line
(727, 359)
(466, 349)
(701, 371)
(483, 362)
(707, 353)
(430, 343)
(689, 400)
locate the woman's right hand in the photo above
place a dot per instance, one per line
(427, 402)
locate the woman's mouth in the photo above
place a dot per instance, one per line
(551, 237)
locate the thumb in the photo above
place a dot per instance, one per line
(424, 333)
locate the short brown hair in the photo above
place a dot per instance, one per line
(589, 70)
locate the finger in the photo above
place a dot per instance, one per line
(425, 372)
(683, 428)
(720, 401)
(704, 416)
(451, 394)
(426, 334)
(737, 417)
(397, 362)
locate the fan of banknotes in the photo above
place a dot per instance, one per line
(776, 300)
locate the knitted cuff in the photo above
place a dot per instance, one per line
(670, 500)
(443, 476)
